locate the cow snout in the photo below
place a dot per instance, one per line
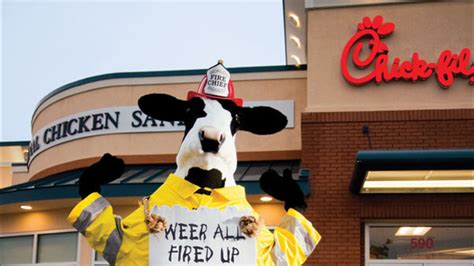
(211, 139)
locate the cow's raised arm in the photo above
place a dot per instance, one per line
(295, 238)
(93, 217)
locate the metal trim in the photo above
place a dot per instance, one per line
(366, 241)
(14, 143)
(284, 31)
(35, 248)
(78, 250)
(147, 180)
(320, 4)
(459, 159)
(41, 232)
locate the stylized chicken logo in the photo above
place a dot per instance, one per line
(448, 66)
(382, 29)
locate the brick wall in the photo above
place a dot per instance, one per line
(330, 143)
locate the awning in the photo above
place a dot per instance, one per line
(141, 180)
(413, 171)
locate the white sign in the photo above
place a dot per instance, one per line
(122, 119)
(217, 81)
(205, 236)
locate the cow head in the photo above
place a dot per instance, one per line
(207, 156)
(212, 116)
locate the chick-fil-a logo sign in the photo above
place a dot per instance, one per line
(448, 66)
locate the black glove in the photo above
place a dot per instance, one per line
(283, 188)
(107, 169)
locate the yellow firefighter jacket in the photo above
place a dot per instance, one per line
(125, 241)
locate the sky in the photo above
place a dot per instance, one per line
(47, 44)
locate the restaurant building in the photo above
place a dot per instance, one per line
(380, 100)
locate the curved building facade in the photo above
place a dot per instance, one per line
(380, 138)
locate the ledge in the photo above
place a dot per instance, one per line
(320, 4)
(408, 115)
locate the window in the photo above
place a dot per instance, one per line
(16, 249)
(421, 243)
(57, 247)
(99, 260)
(48, 247)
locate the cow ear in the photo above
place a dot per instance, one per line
(261, 120)
(163, 107)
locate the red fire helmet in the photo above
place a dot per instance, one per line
(216, 84)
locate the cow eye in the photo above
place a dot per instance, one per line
(195, 108)
(193, 111)
(237, 119)
(235, 124)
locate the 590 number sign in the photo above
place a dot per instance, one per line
(419, 243)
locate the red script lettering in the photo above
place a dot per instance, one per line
(448, 66)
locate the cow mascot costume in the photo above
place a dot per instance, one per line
(176, 224)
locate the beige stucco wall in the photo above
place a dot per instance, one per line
(51, 215)
(426, 28)
(10, 155)
(24, 221)
(5, 176)
(19, 177)
(160, 143)
(271, 213)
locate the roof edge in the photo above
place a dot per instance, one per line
(14, 143)
(325, 4)
(165, 73)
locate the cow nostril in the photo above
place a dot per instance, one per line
(211, 139)
(221, 138)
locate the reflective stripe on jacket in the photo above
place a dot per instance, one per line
(125, 241)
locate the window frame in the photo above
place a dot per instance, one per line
(369, 224)
(95, 262)
(35, 235)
